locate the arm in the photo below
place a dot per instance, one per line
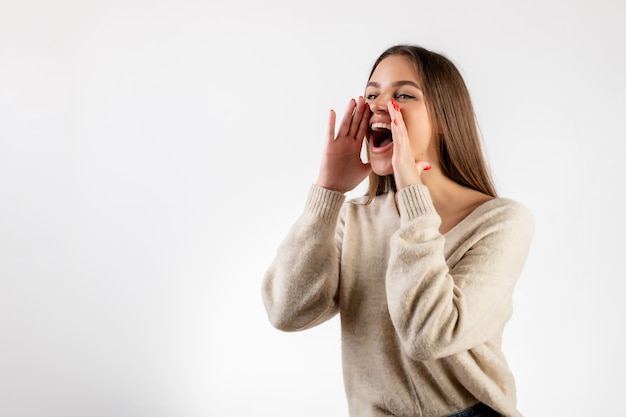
(436, 311)
(300, 288)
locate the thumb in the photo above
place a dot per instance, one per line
(422, 166)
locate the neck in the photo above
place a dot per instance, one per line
(450, 197)
(443, 190)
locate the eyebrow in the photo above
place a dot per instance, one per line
(396, 84)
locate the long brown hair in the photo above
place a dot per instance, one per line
(450, 109)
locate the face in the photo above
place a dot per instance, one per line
(394, 77)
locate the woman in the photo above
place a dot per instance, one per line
(423, 268)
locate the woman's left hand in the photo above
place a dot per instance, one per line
(406, 170)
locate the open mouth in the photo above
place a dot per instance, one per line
(380, 135)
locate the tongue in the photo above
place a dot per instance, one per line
(384, 142)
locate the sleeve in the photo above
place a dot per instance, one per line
(300, 288)
(438, 311)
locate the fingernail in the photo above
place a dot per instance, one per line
(395, 122)
(427, 167)
(395, 105)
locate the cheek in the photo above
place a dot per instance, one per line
(418, 122)
(419, 130)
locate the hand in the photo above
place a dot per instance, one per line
(342, 168)
(406, 170)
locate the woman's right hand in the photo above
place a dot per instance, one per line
(342, 168)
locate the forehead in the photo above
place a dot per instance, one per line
(394, 68)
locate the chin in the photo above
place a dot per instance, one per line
(381, 168)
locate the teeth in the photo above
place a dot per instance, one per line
(381, 126)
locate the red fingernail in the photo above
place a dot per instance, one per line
(395, 122)
(395, 105)
(427, 168)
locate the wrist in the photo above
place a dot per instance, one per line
(328, 185)
(404, 181)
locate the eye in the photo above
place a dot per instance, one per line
(370, 97)
(404, 97)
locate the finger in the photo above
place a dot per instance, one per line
(395, 112)
(364, 125)
(344, 128)
(357, 118)
(331, 126)
(422, 166)
(398, 128)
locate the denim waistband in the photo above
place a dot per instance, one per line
(479, 410)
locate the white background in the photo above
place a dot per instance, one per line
(154, 153)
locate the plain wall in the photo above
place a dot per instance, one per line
(153, 154)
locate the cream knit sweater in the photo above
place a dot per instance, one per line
(422, 314)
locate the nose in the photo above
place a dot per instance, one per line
(379, 104)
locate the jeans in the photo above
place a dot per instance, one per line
(479, 410)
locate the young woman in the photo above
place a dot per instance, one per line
(423, 268)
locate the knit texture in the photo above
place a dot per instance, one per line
(422, 314)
